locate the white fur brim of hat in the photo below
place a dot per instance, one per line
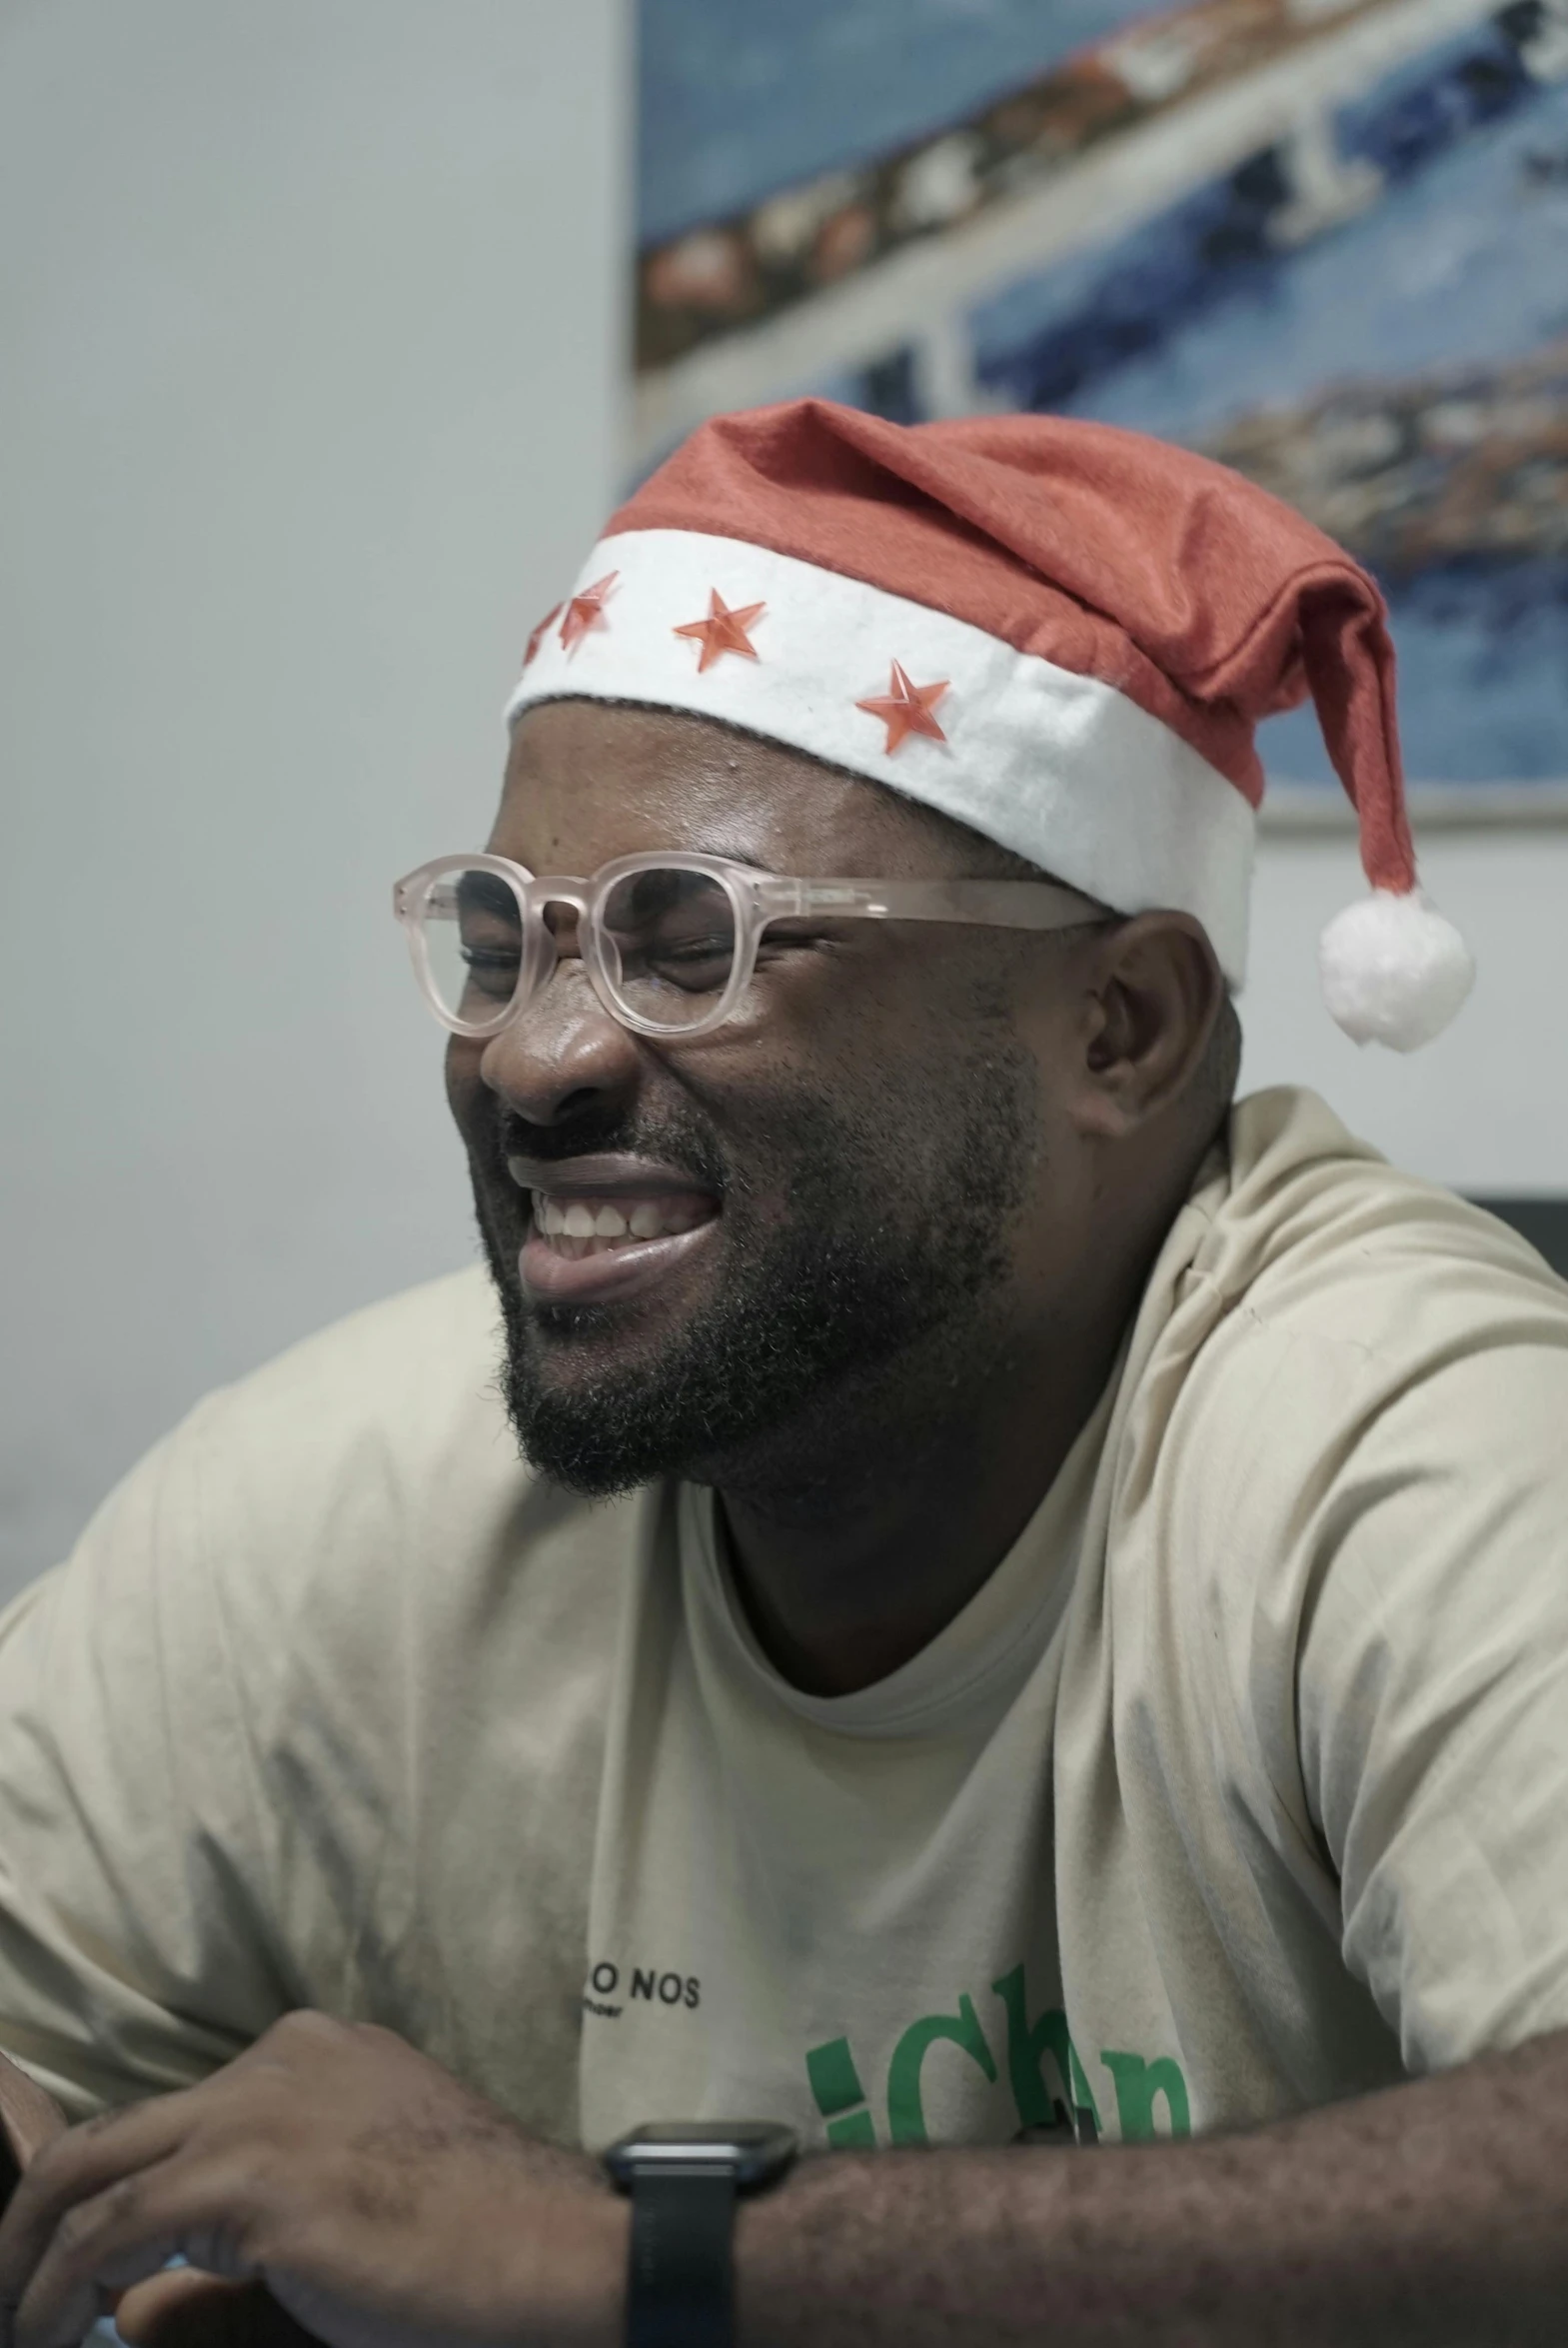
(1059, 768)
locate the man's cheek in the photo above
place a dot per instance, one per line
(762, 1209)
(466, 1093)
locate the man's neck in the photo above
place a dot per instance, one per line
(904, 1527)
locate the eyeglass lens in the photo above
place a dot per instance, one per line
(668, 936)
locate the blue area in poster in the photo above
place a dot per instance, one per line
(735, 101)
(1398, 365)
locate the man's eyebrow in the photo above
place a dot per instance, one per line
(737, 856)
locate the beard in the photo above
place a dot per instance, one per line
(847, 1326)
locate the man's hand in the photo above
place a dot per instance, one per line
(380, 2203)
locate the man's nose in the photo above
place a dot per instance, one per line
(563, 1054)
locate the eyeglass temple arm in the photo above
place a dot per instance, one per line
(1009, 905)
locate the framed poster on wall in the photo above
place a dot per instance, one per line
(1325, 241)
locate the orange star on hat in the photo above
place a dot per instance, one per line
(906, 709)
(1103, 619)
(722, 631)
(585, 610)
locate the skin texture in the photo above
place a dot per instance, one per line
(1428, 2216)
(355, 2195)
(333, 2180)
(381, 2204)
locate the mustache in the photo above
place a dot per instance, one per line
(673, 1140)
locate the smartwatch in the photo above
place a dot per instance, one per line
(684, 2177)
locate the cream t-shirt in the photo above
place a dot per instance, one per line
(1241, 1785)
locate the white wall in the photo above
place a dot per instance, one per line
(310, 317)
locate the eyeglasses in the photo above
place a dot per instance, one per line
(668, 943)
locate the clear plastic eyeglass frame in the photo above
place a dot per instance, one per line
(757, 899)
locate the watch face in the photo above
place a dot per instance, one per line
(758, 2151)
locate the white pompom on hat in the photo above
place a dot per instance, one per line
(1061, 633)
(1394, 969)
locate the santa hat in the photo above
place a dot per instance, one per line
(1061, 633)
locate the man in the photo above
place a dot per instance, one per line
(1041, 1609)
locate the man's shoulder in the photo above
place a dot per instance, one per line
(1315, 1240)
(370, 1469)
(1327, 1311)
(1360, 1380)
(410, 1364)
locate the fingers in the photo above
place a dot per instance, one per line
(73, 2168)
(210, 2210)
(52, 2212)
(185, 2308)
(241, 2175)
(141, 2312)
(74, 2283)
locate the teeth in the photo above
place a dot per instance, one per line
(578, 1226)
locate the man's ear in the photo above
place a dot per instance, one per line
(1151, 993)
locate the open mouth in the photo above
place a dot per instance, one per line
(578, 1226)
(588, 1240)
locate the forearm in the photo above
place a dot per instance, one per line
(1433, 2213)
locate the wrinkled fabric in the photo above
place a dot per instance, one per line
(1239, 1788)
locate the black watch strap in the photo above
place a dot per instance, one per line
(681, 2275)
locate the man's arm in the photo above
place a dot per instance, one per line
(377, 2200)
(136, 1953)
(1432, 2213)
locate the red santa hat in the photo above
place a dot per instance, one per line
(1061, 633)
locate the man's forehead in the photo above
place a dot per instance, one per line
(601, 779)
